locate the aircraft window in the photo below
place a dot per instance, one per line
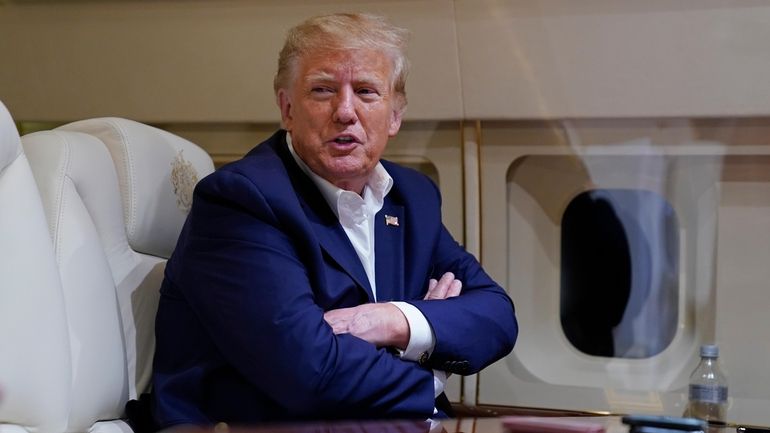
(619, 273)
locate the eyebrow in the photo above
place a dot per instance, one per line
(321, 76)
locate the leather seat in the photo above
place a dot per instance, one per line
(35, 369)
(115, 193)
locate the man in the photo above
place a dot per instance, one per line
(277, 301)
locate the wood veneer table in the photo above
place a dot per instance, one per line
(612, 424)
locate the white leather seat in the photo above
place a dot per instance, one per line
(35, 371)
(115, 193)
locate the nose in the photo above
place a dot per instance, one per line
(345, 109)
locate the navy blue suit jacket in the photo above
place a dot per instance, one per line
(240, 330)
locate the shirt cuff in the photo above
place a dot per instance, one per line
(421, 338)
(439, 382)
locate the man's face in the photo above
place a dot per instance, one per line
(340, 111)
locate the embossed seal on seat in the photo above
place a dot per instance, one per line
(183, 179)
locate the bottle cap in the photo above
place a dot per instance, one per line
(709, 351)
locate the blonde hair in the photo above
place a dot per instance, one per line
(343, 31)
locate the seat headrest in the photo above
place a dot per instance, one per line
(35, 362)
(157, 172)
(10, 145)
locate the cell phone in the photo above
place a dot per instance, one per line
(752, 429)
(648, 423)
(646, 429)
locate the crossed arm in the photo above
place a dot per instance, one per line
(383, 324)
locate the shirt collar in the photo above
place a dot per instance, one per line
(378, 184)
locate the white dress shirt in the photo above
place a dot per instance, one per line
(356, 215)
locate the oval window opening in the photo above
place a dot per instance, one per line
(619, 273)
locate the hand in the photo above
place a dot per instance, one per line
(383, 325)
(446, 287)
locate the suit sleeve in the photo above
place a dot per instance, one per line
(243, 270)
(474, 329)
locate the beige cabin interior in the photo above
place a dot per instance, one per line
(516, 107)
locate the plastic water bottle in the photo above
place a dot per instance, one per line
(708, 388)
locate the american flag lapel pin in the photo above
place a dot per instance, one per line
(391, 220)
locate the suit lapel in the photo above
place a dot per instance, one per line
(327, 228)
(337, 245)
(389, 251)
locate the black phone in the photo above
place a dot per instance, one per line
(651, 423)
(752, 429)
(647, 429)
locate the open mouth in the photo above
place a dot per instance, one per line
(344, 140)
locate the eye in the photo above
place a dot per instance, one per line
(368, 93)
(320, 90)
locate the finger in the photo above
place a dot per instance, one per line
(332, 321)
(440, 291)
(442, 288)
(339, 320)
(454, 289)
(431, 286)
(339, 328)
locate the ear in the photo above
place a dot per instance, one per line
(395, 121)
(284, 103)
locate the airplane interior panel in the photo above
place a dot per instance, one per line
(225, 142)
(741, 282)
(192, 61)
(562, 59)
(666, 270)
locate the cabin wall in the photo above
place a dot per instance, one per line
(191, 61)
(713, 175)
(213, 61)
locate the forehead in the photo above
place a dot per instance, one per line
(351, 63)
